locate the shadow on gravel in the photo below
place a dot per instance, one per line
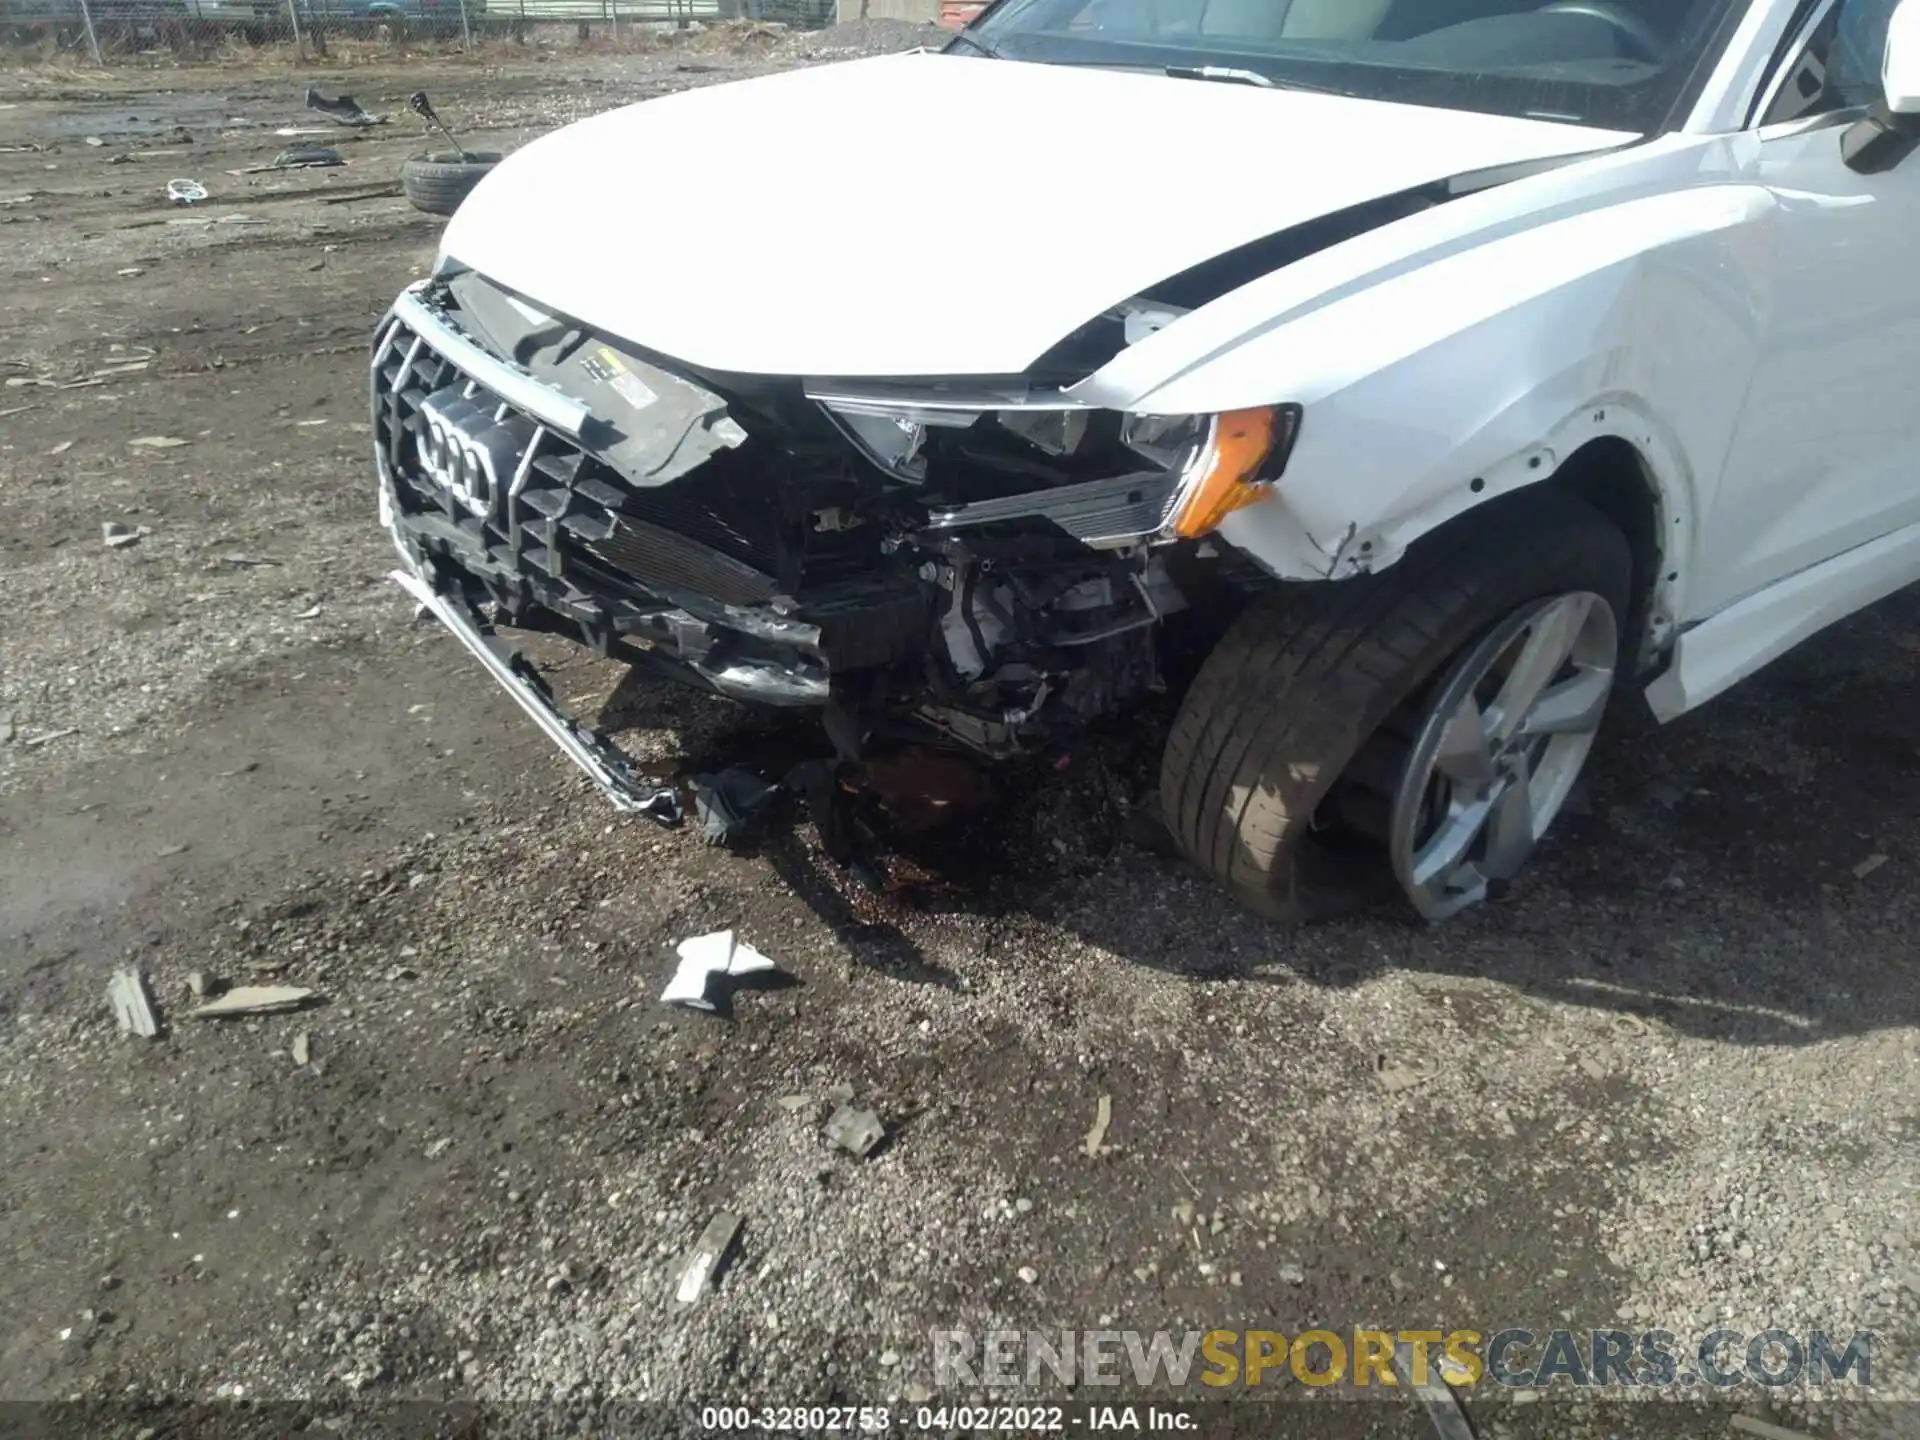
(875, 939)
(1744, 874)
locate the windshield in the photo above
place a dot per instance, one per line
(1616, 64)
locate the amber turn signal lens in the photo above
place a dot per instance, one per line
(1232, 472)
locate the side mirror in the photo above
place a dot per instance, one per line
(1892, 132)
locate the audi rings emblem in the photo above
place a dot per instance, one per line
(470, 445)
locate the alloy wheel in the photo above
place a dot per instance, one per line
(1498, 748)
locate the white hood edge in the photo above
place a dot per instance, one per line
(930, 215)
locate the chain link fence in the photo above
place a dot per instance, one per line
(107, 29)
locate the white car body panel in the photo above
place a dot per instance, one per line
(1739, 640)
(834, 267)
(1827, 454)
(1901, 74)
(1734, 304)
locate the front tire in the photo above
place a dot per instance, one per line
(1304, 770)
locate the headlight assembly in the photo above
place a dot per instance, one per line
(1231, 461)
(1213, 465)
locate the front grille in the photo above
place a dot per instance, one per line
(526, 498)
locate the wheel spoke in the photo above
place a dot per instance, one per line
(1464, 755)
(1450, 845)
(1510, 834)
(1572, 707)
(1550, 640)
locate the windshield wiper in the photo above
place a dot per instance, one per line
(963, 38)
(1228, 74)
(1234, 75)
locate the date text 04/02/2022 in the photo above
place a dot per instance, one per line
(944, 1419)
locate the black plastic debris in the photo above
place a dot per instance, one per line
(342, 111)
(731, 804)
(817, 782)
(308, 157)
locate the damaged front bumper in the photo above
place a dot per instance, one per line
(508, 505)
(985, 584)
(449, 563)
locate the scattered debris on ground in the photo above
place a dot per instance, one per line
(343, 110)
(116, 536)
(730, 805)
(132, 1006)
(709, 964)
(1096, 1140)
(709, 1253)
(1749, 1425)
(253, 1000)
(858, 1132)
(299, 157)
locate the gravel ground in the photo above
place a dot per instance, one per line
(1669, 1081)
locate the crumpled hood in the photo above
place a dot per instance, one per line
(924, 214)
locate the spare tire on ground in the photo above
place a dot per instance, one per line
(437, 183)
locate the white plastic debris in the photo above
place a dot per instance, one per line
(253, 1000)
(1749, 1425)
(705, 956)
(127, 993)
(708, 1251)
(1102, 1118)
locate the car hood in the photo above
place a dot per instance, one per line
(926, 214)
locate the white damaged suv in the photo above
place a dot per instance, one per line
(1433, 368)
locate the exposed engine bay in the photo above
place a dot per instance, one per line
(989, 566)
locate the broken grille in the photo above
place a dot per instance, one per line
(480, 478)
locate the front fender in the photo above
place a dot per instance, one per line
(1458, 378)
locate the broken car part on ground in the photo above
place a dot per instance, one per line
(1421, 447)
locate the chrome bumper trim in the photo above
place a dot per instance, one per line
(603, 762)
(519, 388)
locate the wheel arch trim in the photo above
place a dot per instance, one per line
(1618, 423)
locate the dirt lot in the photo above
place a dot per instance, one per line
(1670, 1080)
